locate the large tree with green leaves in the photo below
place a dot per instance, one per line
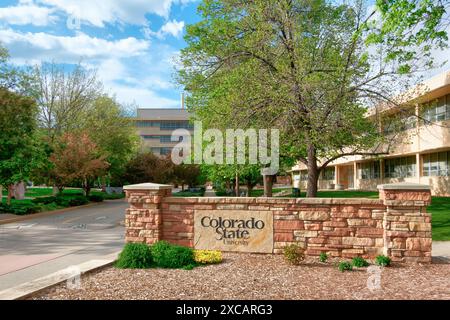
(114, 134)
(13, 78)
(20, 153)
(64, 96)
(309, 68)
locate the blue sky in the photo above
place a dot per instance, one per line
(132, 43)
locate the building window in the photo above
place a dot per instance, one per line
(145, 136)
(173, 125)
(328, 173)
(156, 150)
(409, 122)
(369, 170)
(438, 110)
(304, 175)
(165, 151)
(388, 127)
(400, 167)
(165, 139)
(403, 123)
(436, 164)
(147, 123)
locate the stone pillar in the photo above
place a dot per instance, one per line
(407, 226)
(143, 219)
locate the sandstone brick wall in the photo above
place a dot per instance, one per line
(396, 224)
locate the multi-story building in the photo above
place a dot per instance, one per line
(421, 156)
(155, 128)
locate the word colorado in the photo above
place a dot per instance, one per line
(229, 229)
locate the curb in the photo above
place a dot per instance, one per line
(49, 213)
(36, 286)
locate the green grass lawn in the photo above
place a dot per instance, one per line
(44, 192)
(260, 192)
(187, 193)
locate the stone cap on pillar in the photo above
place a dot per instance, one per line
(405, 194)
(147, 186)
(403, 186)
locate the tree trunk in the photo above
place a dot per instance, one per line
(268, 181)
(313, 173)
(87, 188)
(249, 189)
(237, 185)
(103, 181)
(10, 194)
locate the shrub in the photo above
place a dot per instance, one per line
(135, 256)
(78, 201)
(166, 255)
(96, 198)
(20, 208)
(359, 262)
(61, 201)
(294, 254)
(44, 200)
(345, 266)
(383, 261)
(113, 196)
(207, 256)
(323, 257)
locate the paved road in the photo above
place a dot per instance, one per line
(37, 247)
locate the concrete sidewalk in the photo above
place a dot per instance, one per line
(441, 249)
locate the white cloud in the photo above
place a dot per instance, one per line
(139, 84)
(27, 13)
(174, 28)
(100, 12)
(43, 46)
(144, 98)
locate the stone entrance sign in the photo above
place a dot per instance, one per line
(396, 225)
(234, 230)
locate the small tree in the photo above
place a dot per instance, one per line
(186, 174)
(147, 167)
(77, 158)
(251, 176)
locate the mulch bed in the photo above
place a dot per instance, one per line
(253, 276)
